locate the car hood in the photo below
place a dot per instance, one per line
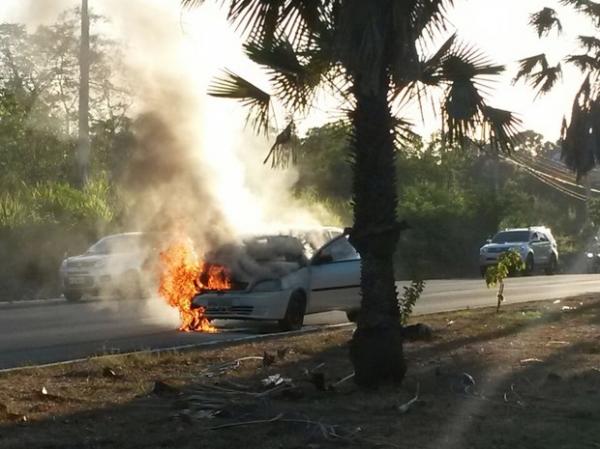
(109, 261)
(503, 246)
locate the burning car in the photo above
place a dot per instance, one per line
(116, 264)
(283, 276)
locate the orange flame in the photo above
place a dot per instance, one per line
(183, 275)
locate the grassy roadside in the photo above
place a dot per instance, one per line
(535, 367)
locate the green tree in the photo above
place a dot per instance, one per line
(39, 82)
(367, 53)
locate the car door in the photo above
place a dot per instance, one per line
(540, 250)
(545, 246)
(335, 277)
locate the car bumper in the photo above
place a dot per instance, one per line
(86, 282)
(489, 259)
(244, 306)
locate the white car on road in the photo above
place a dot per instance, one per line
(536, 246)
(282, 277)
(116, 264)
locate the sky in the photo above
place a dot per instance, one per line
(499, 28)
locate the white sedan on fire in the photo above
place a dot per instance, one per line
(281, 277)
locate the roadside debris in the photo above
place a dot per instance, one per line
(275, 380)
(225, 367)
(111, 373)
(45, 395)
(530, 361)
(404, 408)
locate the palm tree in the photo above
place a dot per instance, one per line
(368, 53)
(580, 135)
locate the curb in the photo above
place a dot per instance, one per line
(208, 344)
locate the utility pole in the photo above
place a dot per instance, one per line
(83, 147)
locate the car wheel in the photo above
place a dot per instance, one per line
(352, 315)
(129, 286)
(552, 266)
(73, 296)
(294, 315)
(529, 266)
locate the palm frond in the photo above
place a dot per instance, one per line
(404, 134)
(584, 62)
(280, 56)
(574, 3)
(429, 16)
(592, 10)
(465, 63)
(430, 73)
(590, 43)
(544, 21)
(263, 21)
(294, 82)
(501, 128)
(544, 80)
(581, 137)
(528, 65)
(540, 76)
(257, 100)
(284, 150)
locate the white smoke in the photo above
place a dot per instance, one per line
(196, 161)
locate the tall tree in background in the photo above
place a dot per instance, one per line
(369, 54)
(39, 99)
(83, 146)
(580, 135)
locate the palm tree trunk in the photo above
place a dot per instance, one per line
(83, 146)
(376, 346)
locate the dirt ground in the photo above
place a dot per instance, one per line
(528, 377)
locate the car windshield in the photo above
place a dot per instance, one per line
(117, 244)
(275, 248)
(511, 237)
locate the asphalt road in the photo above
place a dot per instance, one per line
(50, 331)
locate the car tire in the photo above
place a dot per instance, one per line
(73, 296)
(294, 314)
(129, 286)
(352, 315)
(529, 265)
(552, 266)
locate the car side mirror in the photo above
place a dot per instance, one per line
(321, 259)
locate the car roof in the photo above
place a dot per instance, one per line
(531, 228)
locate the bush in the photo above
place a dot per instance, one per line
(39, 225)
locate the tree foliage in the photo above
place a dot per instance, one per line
(39, 81)
(581, 131)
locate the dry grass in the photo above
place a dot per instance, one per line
(535, 366)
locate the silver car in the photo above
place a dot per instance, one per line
(117, 264)
(281, 277)
(536, 246)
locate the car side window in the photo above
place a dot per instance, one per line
(543, 238)
(339, 250)
(534, 237)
